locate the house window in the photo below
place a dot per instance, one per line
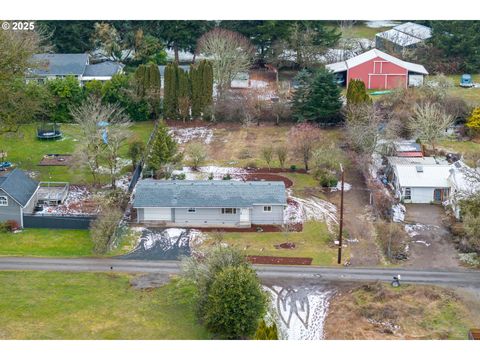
(229, 211)
(192, 210)
(267, 208)
(3, 201)
(408, 194)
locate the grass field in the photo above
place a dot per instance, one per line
(469, 149)
(314, 241)
(378, 311)
(55, 305)
(46, 242)
(26, 151)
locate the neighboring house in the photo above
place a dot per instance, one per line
(52, 66)
(17, 195)
(379, 70)
(419, 180)
(401, 37)
(462, 185)
(215, 203)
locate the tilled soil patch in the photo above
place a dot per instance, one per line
(277, 260)
(267, 177)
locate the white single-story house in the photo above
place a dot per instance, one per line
(215, 203)
(419, 180)
(52, 66)
(463, 183)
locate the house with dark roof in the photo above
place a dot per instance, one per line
(17, 195)
(212, 203)
(52, 66)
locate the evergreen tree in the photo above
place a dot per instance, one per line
(207, 86)
(317, 99)
(357, 93)
(170, 97)
(183, 94)
(164, 148)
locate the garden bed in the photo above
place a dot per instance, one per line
(253, 228)
(267, 177)
(277, 260)
(56, 160)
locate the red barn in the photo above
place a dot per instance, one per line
(379, 70)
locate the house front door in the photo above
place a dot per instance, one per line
(245, 215)
(438, 195)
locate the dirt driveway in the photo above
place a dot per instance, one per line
(431, 244)
(358, 220)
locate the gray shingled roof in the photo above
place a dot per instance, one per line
(106, 68)
(18, 185)
(220, 193)
(60, 64)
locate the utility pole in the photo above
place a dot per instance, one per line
(340, 231)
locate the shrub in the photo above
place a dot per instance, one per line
(265, 332)
(227, 177)
(9, 226)
(102, 230)
(180, 176)
(392, 240)
(252, 164)
(293, 168)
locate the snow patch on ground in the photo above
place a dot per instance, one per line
(338, 187)
(416, 229)
(381, 23)
(300, 313)
(204, 172)
(314, 208)
(398, 212)
(184, 135)
(79, 201)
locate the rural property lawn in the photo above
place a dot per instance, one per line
(314, 241)
(46, 242)
(25, 150)
(56, 305)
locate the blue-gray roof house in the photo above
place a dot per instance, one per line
(51, 66)
(210, 203)
(17, 195)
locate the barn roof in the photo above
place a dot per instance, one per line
(372, 54)
(18, 185)
(220, 193)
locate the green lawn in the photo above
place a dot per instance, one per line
(314, 241)
(55, 305)
(469, 149)
(26, 151)
(470, 95)
(46, 242)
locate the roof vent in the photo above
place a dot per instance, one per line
(419, 168)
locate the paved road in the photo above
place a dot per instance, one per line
(453, 278)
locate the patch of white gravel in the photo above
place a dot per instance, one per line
(204, 172)
(381, 23)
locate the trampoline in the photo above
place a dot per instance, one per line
(49, 132)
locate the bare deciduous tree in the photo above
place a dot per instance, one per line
(267, 155)
(92, 117)
(230, 53)
(429, 123)
(362, 124)
(282, 152)
(303, 139)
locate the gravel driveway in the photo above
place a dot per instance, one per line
(431, 243)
